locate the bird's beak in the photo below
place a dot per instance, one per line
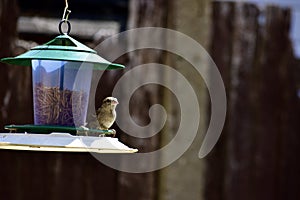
(115, 102)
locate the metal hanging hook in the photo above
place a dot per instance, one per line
(66, 12)
(64, 19)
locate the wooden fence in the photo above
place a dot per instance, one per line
(257, 155)
(260, 143)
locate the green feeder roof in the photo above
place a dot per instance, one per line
(66, 48)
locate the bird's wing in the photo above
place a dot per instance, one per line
(98, 111)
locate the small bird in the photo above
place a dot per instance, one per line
(106, 114)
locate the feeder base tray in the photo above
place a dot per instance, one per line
(62, 142)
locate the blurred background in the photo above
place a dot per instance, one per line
(256, 46)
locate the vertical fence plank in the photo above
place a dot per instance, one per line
(221, 51)
(239, 147)
(142, 14)
(15, 90)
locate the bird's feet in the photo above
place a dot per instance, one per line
(111, 133)
(82, 130)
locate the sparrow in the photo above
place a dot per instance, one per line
(106, 114)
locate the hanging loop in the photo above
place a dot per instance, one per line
(68, 27)
(65, 20)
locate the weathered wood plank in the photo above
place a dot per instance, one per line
(15, 90)
(142, 14)
(221, 52)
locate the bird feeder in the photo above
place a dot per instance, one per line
(61, 80)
